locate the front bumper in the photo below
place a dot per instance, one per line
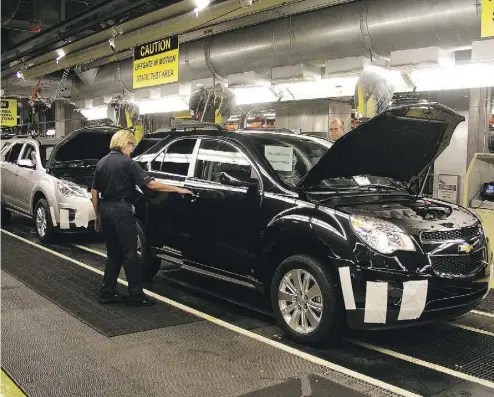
(73, 214)
(445, 298)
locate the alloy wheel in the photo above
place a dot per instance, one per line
(300, 301)
(41, 221)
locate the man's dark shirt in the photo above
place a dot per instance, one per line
(117, 176)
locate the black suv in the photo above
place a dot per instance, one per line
(334, 234)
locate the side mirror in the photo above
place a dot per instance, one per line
(26, 163)
(229, 180)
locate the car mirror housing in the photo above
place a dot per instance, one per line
(26, 163)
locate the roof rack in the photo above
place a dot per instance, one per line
(195, 126)
(267, 129)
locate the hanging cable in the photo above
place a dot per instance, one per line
(61, 85)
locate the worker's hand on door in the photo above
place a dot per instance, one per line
(184, 192)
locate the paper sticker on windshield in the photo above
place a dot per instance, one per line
(361, 180)
(280, 157)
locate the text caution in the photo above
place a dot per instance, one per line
(156, 63)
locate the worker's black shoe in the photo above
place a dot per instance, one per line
(112, 298)
(139, 300)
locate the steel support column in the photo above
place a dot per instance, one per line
(478, 122)
(59, 118)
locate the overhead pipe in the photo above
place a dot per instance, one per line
(175, 19)
(58, 41)
(359, 28)
(104, 36)
(25, 45)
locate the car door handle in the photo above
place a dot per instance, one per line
(194, 198)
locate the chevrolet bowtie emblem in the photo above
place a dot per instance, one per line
(467, 248)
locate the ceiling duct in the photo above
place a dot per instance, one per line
(345, 66)
(373, 27)
(300, 72)
(422, 57)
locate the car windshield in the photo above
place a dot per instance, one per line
(292, 157)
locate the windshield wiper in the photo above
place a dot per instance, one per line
(377, 185)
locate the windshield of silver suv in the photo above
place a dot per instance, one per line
(292, 157)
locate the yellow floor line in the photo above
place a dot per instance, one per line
(8, 388)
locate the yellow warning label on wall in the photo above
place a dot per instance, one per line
(156, 63)
(9, 113)
(487, 18)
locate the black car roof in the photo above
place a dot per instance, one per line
(240, 135)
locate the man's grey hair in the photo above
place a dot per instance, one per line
(341, 122)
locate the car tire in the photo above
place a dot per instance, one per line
(150, 263)
(6, 216)
(320, 326)
(43, 222)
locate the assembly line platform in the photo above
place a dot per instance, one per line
(205, 338)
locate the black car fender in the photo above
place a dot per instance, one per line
(301, 233)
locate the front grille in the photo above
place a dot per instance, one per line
(466, 233)
(458, 265)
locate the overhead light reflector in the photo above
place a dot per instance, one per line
(201, 5)
(163, 105)
(251, 95)
(96, 113)
(61, 54)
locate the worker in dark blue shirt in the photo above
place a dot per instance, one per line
(113, 194)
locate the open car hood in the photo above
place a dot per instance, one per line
(81, 145)
(399, 143)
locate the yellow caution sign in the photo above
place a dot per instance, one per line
(9, 113)
(156, 63)
(487, 18)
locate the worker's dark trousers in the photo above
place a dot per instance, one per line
(120, 233)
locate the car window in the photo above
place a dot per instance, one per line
(4, 147)
(291, 157)
(29, 152)
(218, 159)
(12, 154)
(176, 158)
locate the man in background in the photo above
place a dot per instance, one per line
(336, 129)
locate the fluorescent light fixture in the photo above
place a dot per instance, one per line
(251, 95)
(163, 105)
(61, 54)
(96, 113)
(472, 75)
(325, 88)
(201, 5)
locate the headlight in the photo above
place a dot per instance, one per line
(380, 235)
(69, 189)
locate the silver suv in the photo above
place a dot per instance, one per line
(50, 181)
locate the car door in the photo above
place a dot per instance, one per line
(167, 219)
(224, 218)
(26, 177)
(9, 171)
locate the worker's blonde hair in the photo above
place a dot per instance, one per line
(121, 139)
